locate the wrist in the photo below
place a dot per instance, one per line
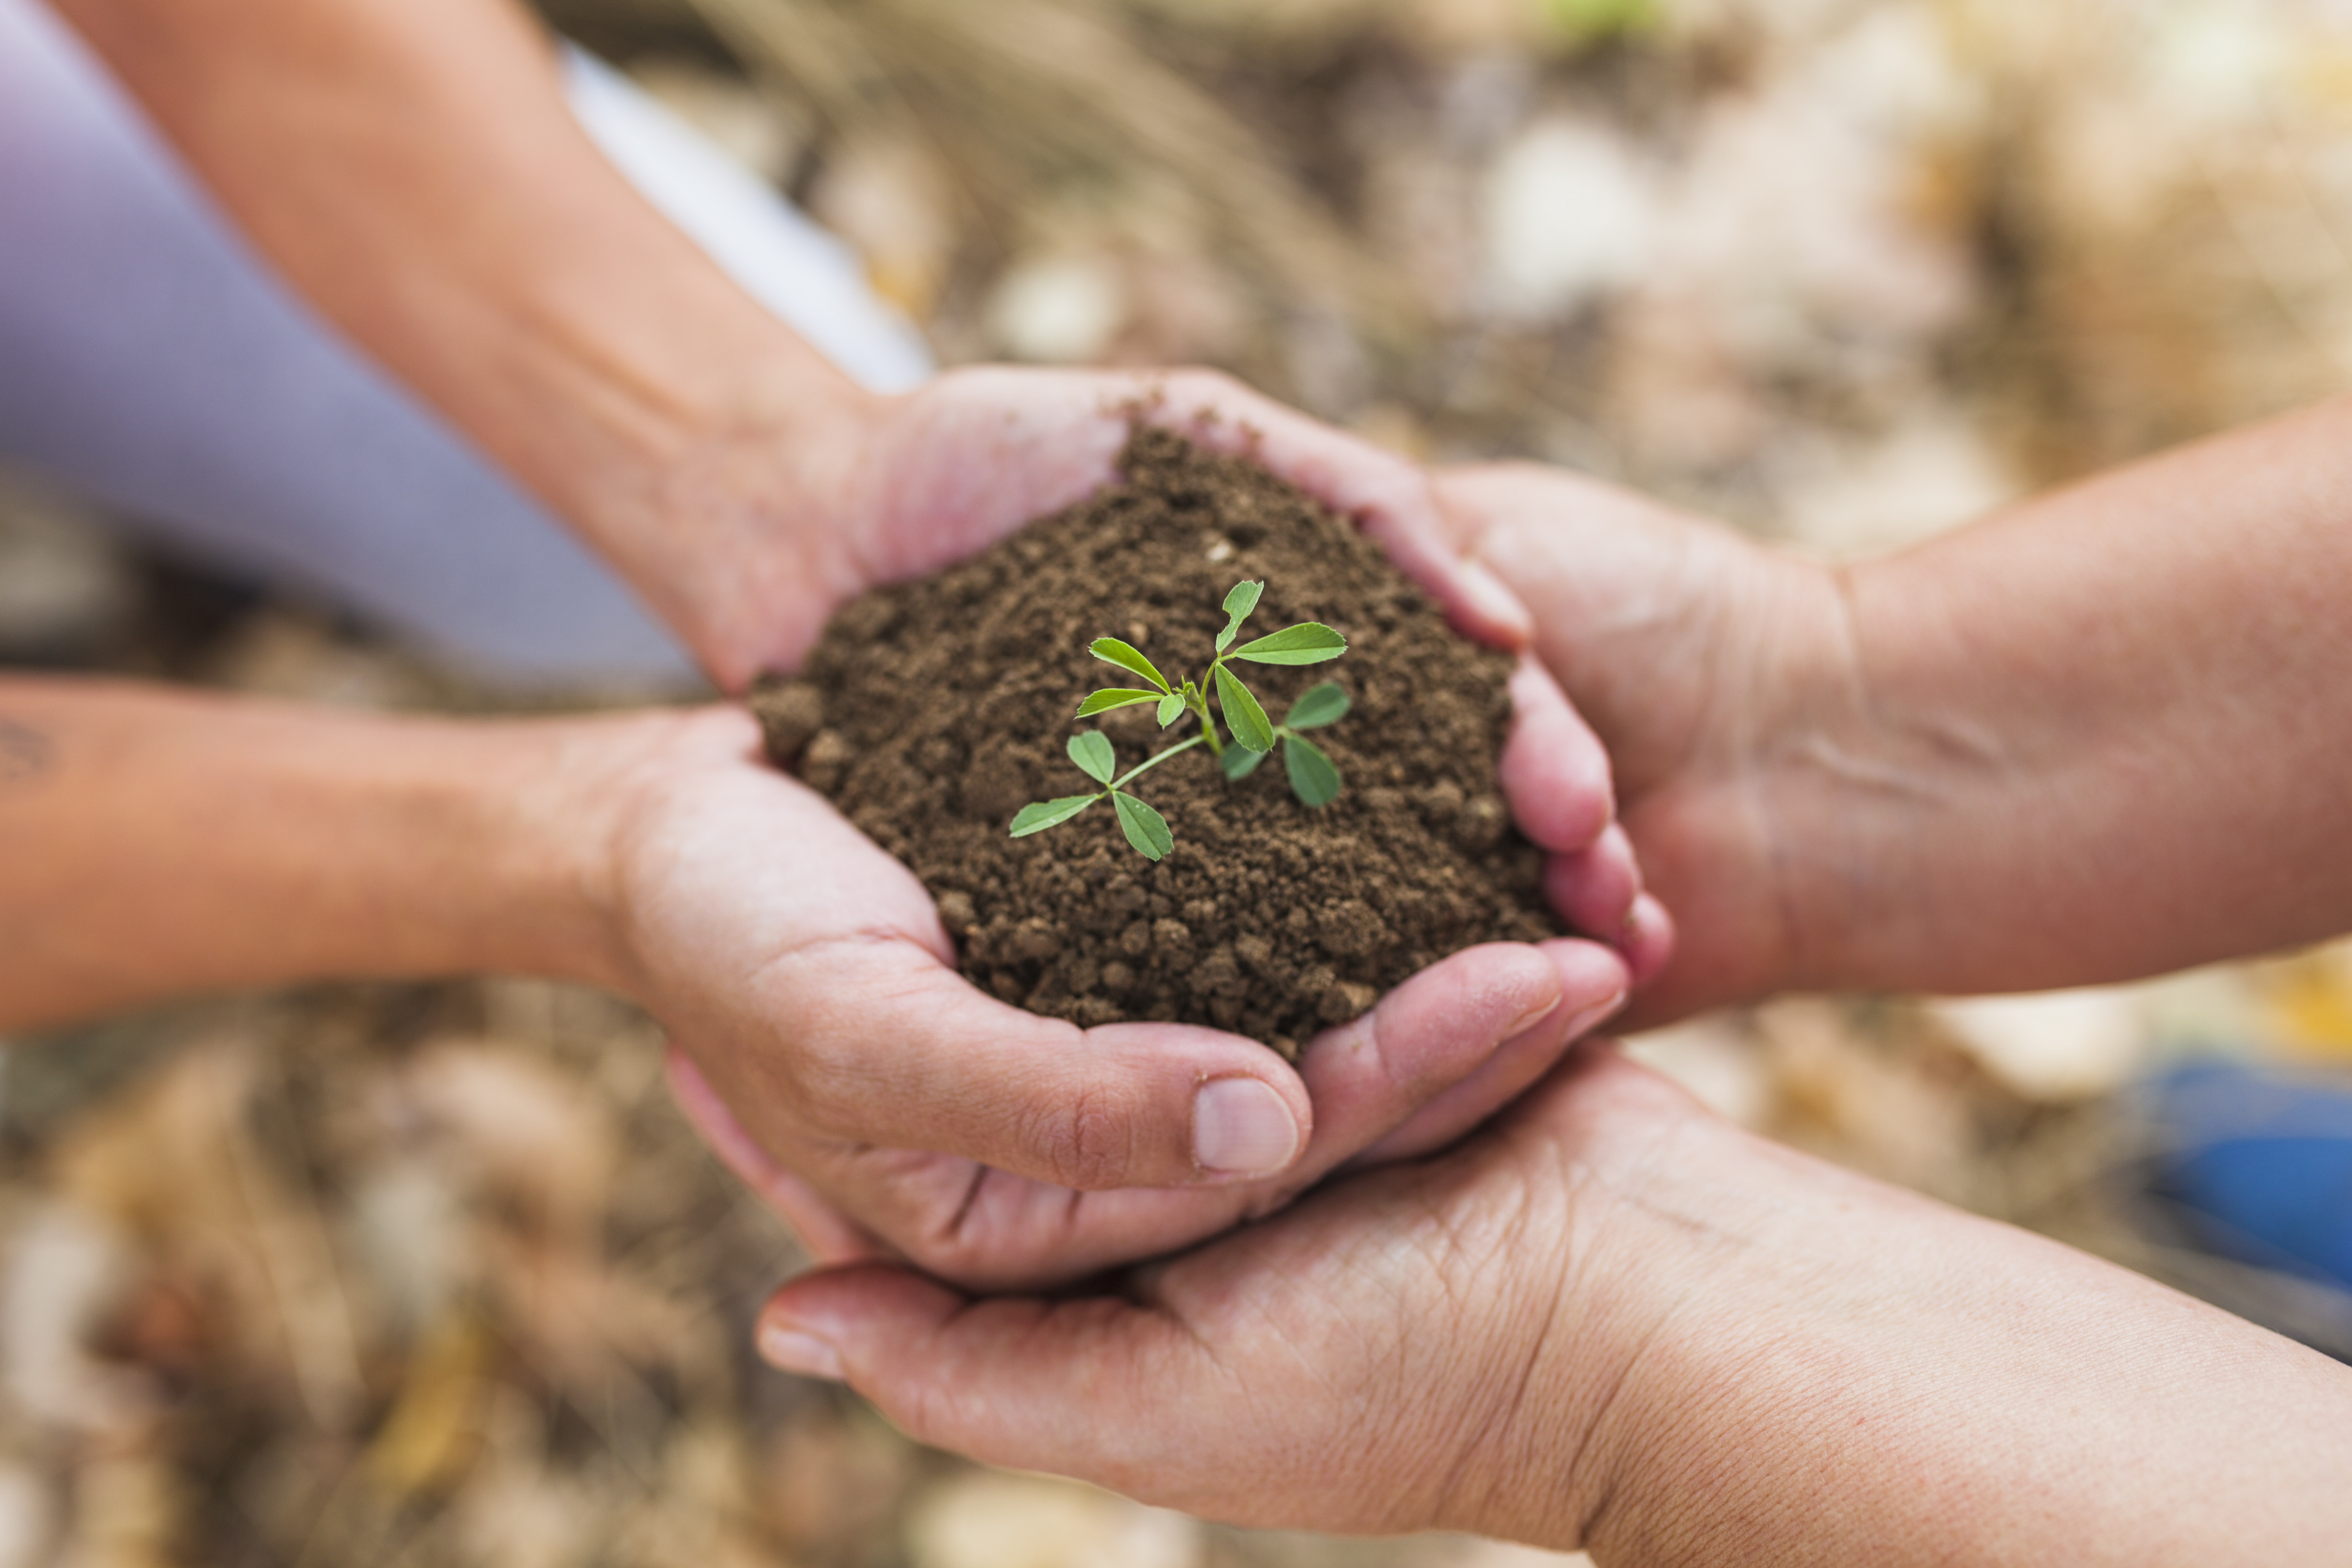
(569, 805)
(1620, 1279)
(731, 525)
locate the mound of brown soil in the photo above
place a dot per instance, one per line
(930, 712)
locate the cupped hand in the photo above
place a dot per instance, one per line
(1714, 670)
(1616, 1322)
(837, 1060)
(916, 482)
(923, 479)
(1445, 1344)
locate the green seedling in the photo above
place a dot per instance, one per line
(1313, 779)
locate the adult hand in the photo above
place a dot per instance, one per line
(890, 1108)
(972, 1177)
(1616, 1322)
(2091, 738)
(787, 527)
(1716, 672)
(454, 220)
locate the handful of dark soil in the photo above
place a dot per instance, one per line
(933, 712)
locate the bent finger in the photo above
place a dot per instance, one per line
(828, 1236)
(1368, 1077)
(1595, 889)
(1427, 1038)
(1554, 771)
(1012, 1381)
(1594, 982)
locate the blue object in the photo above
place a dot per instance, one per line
(2259, 1163)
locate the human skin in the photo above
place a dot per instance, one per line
(1615, 1323)
(2097, 736)
(155, 844)
(411, 167)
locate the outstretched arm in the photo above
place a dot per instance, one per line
(411, 167)
(157, 844)
(1621, 1324)
(2094, 737)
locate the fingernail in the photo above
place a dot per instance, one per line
(1592, 1018)
(791, 1350)
(1241, 1127)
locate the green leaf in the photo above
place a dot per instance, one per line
(1045, 814)
(1094, 755)
(1172, 708)
(1316, 706)
(1239, 763)
(1308, 642)
(1145, 828)
(1313, 779)
(1110, 650)
(1244, 717)
(1239, 602)
(1115, 697)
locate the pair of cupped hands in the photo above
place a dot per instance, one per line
(924, 1139)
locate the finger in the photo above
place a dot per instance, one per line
(1554, 771)
(1595, 889)
(1013, 1381)
(826, 1234)
(1436, 1033)
(1594, 981)
(1367, 1076)
(1647, 939)
(897, 1049)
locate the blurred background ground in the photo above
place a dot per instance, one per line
(434, 1274)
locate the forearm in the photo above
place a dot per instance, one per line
(412, 168)
(1857, 1376)
(154, 845)
(2098, 737)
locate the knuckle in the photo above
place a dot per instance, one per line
(1082, 1143)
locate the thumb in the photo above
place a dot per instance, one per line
(910, 1055)
(1019, 1381)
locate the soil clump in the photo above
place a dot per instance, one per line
(930, 711)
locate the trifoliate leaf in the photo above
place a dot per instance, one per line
(1316, 706)
(1238, 764)
(1117, 697)
(1172, 708)
(1045, 814)
(1145, 828)
(1313, 779)
(1244, 717)
(1110, 650)
(1092, 752)
(1308, 642)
